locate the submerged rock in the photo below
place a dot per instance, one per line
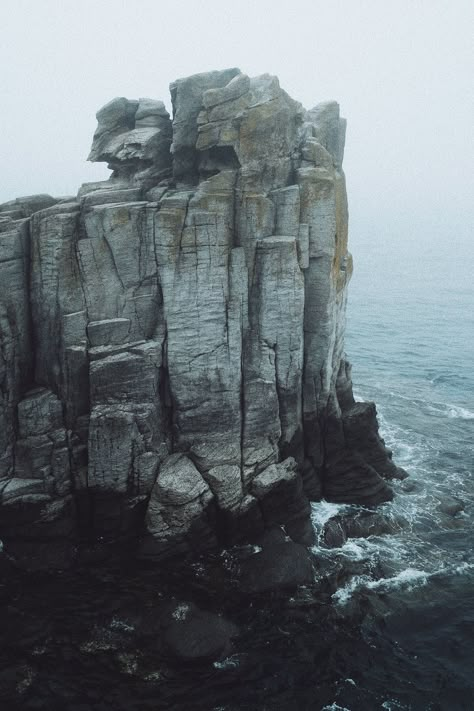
(194, 635)
(451, 506)
(279, 566)
(172, 339)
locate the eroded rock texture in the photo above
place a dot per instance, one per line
(172, 339)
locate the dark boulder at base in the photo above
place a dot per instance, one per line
(359, 525)
(279, 566)
(194, 635)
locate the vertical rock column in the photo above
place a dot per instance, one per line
(15, 335)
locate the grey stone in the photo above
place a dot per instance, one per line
(39, 413)
(27, 205)
(359, 525)
(179, 517)
(18, 488)
(287, 210)
(172, 340)
(329, 129)
(225, 482)
(187, 97)
(110, 331)
(279, 489)
(102, 197)
(134, 138)
(150, 112)
(179, 482)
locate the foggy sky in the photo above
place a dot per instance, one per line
(401, 71)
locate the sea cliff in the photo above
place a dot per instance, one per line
(172, 367)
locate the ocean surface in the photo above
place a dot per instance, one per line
(389, 624)
(410, 337)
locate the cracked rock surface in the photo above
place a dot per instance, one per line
(172, 364)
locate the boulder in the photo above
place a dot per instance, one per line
(181, 511)
(359, 525)
(279, 566)
(195, 636)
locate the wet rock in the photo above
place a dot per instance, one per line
(334, 534)
(361, 432)
(272, 536)
(451, 506)
(409, 486)
(359, 525)
(6, 566)
(279, 566)
(194, 635)
(279, 489)
(351, 480)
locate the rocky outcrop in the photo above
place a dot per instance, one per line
(172, 340)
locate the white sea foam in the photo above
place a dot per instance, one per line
(410, 558)
(355, 549)
(463, 568)
(457, 412)
(228, 663)
(344, 594)
(181, 611)
(407, 579)
(335, 707)
(322, 511)
(393, 705)
(121, 625)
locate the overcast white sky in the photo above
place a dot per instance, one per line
(401, 70)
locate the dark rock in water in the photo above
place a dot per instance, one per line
(409, 486)
(451, 506)
(334, 535)
(272, 536)
(6, 565)
(350, 479)
(360, 525)
(279, 566)
(365, 524)
(279, 490)
(194, 635)
(361, 432)
(172, 359)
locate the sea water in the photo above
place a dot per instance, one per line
(410, 336)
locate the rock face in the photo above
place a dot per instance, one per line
(172, 339)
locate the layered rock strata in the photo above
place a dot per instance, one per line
(172, 340)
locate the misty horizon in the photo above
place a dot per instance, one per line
(400, 73)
